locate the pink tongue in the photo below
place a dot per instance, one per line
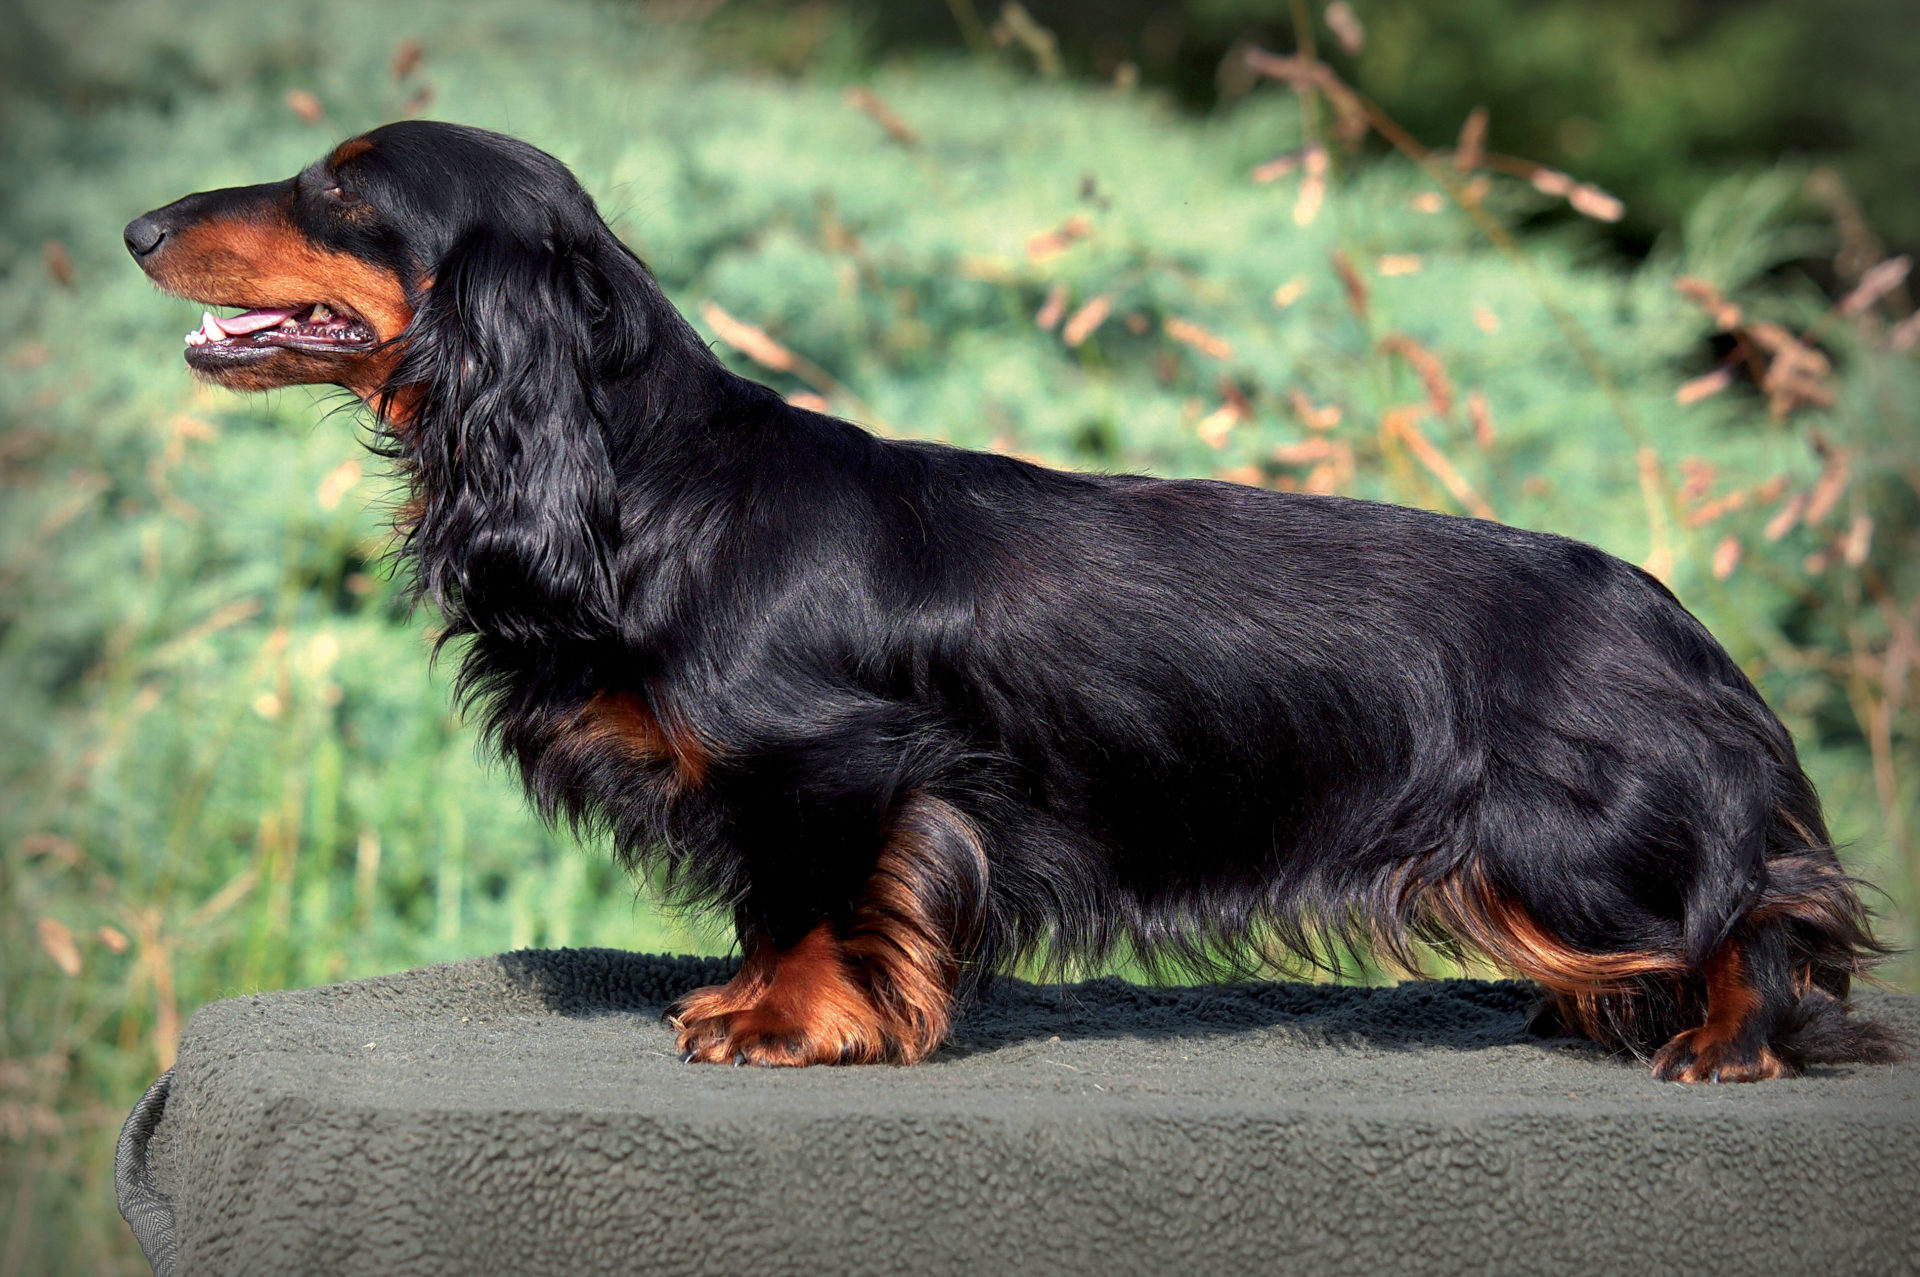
(254, 320)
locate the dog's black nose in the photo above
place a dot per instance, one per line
(143, 235)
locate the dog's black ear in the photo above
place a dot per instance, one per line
(518, 523)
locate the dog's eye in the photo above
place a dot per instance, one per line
(343, 195)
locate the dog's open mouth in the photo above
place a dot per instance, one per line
(315, 327)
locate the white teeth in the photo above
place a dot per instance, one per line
(289, 323)
(320, 314)
(210, 327)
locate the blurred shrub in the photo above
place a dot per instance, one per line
(1655, 100)
(227, 763)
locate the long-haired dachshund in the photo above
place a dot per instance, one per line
(912, 712)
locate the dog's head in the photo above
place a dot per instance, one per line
(440, 232)
(464, 284)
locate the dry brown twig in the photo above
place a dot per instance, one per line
(305, 106)
(156, 959)
(1233, 410)
(1215, 427)
(1470, 151)
(1088, 318)
(1793, 373)
(407, 56)
(56, 939)
(1726, 557)
(1797, 375)
(1312, 418)
(1330, 463)
(59, 262)
(1836, 465)
(869, 103)
(1786, 518)
(758, 346)
(1356, 288)
(1400, 423)
(1278, 167)
(1306, 74)
(1016, 26)
(1346, 27)
(1876, 283)
(1659, 560)
(1313, 188)
(1052, 310)
(1188, 333)
(1704, 386)
(1484, 432)
(1044, 245)
(1427, 366)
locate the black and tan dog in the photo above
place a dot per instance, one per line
(912, 712)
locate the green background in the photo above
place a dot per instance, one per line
(229, 764)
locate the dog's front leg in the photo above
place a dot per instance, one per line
(874, 985)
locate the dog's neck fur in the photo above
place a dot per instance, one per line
(670, 418)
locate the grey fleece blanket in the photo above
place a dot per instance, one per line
(526, 1114)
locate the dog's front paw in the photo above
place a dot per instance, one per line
(1702, 1055)
(818, 1001)
(773, 1036)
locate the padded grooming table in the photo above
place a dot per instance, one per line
(527, 1114)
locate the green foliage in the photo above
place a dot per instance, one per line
(1657, 100)
(228, 764)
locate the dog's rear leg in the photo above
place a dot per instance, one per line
(1750, 995)
(876, 985)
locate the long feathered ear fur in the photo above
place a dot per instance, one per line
(517, 522)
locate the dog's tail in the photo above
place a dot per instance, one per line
(1797, 933)
(1774, 936)
(1816, 910)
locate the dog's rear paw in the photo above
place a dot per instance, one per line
(1700, 1055)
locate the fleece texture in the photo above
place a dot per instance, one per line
(527, 1114)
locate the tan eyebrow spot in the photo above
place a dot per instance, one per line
(351, 149)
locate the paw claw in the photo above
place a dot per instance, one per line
(745, 1039)
(1698, 1056)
